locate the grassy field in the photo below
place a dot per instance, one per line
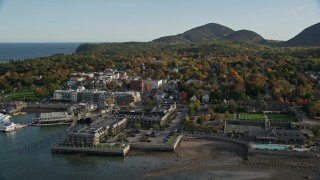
(271, 117)
(280, 118)
(252, 116)
(27, 95)
(230, 116)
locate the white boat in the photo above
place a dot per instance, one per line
(4, 118)
(9, 127)
(6, 125)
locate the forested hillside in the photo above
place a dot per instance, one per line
(229, 71)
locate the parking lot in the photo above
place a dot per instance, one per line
(142, 136)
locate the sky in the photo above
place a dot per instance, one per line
(145, 20)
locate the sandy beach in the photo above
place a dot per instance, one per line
(210, 159)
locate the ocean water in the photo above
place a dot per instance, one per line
(22, 51)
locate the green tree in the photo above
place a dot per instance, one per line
(156, 127)
(122, 137)
(202, 119)
(137, 125)
(191, 112)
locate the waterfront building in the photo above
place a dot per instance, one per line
(54, 118)
(277, 136)
(9, 107)
(270, 135)
(96, 132)
(157, 116)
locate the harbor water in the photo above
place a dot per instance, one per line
(25, 154)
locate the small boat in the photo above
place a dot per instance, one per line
(19, 113)
(9, 127)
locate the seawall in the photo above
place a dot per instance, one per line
(157, 147)
(98, 151)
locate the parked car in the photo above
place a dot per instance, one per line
(137, 131)
(144, 140)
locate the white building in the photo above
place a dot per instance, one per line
(205, 98)
(153, 84)
(93, 95)
(54, 118)
(110, 74)
(194, 98)
(65, 95)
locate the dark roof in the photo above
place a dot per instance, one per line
(279, 133)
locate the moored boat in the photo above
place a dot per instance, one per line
(9, 127)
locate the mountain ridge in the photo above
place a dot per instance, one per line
(210, 32)
(310, 36)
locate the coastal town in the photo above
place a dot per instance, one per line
(223, 90)
(105, 116)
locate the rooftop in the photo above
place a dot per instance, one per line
(102, 124)
(54, 114)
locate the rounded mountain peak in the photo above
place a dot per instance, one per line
(245, 36)
(211, 31)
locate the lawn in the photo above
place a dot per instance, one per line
(271, 117)
(230, 116)
(280, 118)
(252, 116)
(173, 139)
(26, 95)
